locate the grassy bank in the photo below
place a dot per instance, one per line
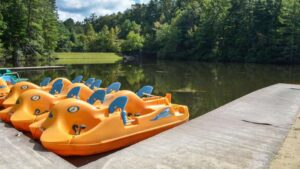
(87, 58)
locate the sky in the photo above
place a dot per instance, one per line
(80, 9)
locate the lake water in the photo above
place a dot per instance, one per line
(201, 86)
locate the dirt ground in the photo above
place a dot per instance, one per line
(289, 155)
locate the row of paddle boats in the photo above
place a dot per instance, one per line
(81, 118)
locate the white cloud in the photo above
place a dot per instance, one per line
(79, 9)
(143, 1)
(65, 15)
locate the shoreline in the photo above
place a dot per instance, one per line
(289, 153)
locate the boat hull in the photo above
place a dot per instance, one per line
(90, 149)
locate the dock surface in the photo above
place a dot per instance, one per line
(246, 133)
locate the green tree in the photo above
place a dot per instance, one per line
(69, 24)
(166, 39)
(133, 43)
(15, 36)
(210, 30)
(288, 37)
(262, 31)
(106, 40)
(31, 28)
(234, 41)
(64, 44)
(89, 31)
(34, 29)
(129, 26)
(2, 28)
(50, 27)
(82, 44)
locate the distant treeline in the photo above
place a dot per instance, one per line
(28, 28)
(207, 30)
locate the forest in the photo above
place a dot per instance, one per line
(257, 31)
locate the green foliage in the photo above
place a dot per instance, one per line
(14, 37)
(64, 43)
(133, 43)
(206, 30)
(129, 26)
(167, 38)
(50, 27)
(31, 28)
(288, 35)
(90, 32)
(106, 41)
(2, 28)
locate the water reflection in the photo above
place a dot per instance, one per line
(201, 86)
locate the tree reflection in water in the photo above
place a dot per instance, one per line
(201, 86)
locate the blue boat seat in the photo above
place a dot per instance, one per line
(114, 87)
(165, 113)
(8, 79)
(57, 87)
(96, 84)
(89, 82)
(74, 92)
(146, 90)
(120, 103)
(45, 82)
(77, 79)
(98, 95)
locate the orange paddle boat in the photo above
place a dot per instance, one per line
(21, 87)
(74, 127)
(96, 99)
(6, 113)
(4, 90)
(46, 85)
(34, 105)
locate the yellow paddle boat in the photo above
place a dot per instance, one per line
(35, 104)
(6, 113)
(96, 99)
(21, 87)
(4, 90)
(62, 84)
(74, 127)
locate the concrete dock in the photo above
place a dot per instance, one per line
(246, 133)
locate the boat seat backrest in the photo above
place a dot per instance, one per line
(77, 79)
(119, 103)
(74, 92)
(98, 95)
(114, 87)
(9, 79)
(89, 82)
(45, 82)
(163, 114)
(57, 87)
(145, 91)
(96, 84)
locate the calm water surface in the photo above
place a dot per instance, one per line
(201, 86)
